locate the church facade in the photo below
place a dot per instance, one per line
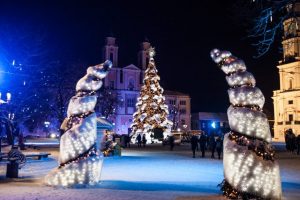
(127, 81)
(287, 99)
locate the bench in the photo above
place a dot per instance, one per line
(39, 156)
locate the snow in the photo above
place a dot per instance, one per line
(150, 173)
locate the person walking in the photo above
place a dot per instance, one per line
(144, 141)
(194, 142)
(128, 140)
(298, 144)
(139, 140)
(219, 146)
(202, 142)
(293, 142)
(171, 141)
(212, 144)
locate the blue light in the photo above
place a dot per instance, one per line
(213, 124)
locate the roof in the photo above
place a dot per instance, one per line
(175, 93)
(132, 67)
(103, 123)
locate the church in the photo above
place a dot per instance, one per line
(127, 81)
(286, 100)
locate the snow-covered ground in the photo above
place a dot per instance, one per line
(151, 173)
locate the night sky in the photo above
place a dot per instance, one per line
(183, 34)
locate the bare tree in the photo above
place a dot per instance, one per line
(175, 116)
(265, 18)
(108, 102)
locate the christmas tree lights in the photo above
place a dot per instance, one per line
(249, 167)
(79, 159)
(152, 112)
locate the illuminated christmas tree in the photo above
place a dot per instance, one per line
(79, 160)
(152, 112)
(249, 167)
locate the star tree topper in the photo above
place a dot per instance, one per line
(151, 52)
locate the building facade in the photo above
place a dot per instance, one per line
(286, 100)
(127, 82)
(208, 122)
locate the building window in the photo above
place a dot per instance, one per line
(147, 61)
(121, 76)
(182, 121)
(182, 111)
(111, 84)
(290, 84)
(131, 102)
(111, 57)
(290, 101)
(182, 102)
(131, 84)
(172, 102)
(291, 117)
(203, 125)
(141, 77)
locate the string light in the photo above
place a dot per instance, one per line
(152, 112)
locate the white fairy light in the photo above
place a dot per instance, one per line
(245, 168)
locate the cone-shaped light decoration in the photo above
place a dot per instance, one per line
(249, 167)
(80, 161)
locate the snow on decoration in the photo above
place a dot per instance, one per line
(249, 167)
(241, 78)
(152, 112)
(79, 159)
(246, 96)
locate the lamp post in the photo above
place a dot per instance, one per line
(3, 117)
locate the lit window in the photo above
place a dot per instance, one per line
(131, 102)
(291, 117)
(172, 102)
(182, 102)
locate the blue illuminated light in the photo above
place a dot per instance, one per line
(213, 124)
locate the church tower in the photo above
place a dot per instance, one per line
(110, 51)
(286, 100)
(143, 57)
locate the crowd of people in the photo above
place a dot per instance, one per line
(212, 143)
(292, 141)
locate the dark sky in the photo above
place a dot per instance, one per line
(182, 32)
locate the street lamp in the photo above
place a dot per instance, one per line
(8, 98)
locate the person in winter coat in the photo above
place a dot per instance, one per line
(139, 140)
(171, 141)
(212, 144)
(202, 142)
(194, 143)
(298, 144)
(219, 146)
